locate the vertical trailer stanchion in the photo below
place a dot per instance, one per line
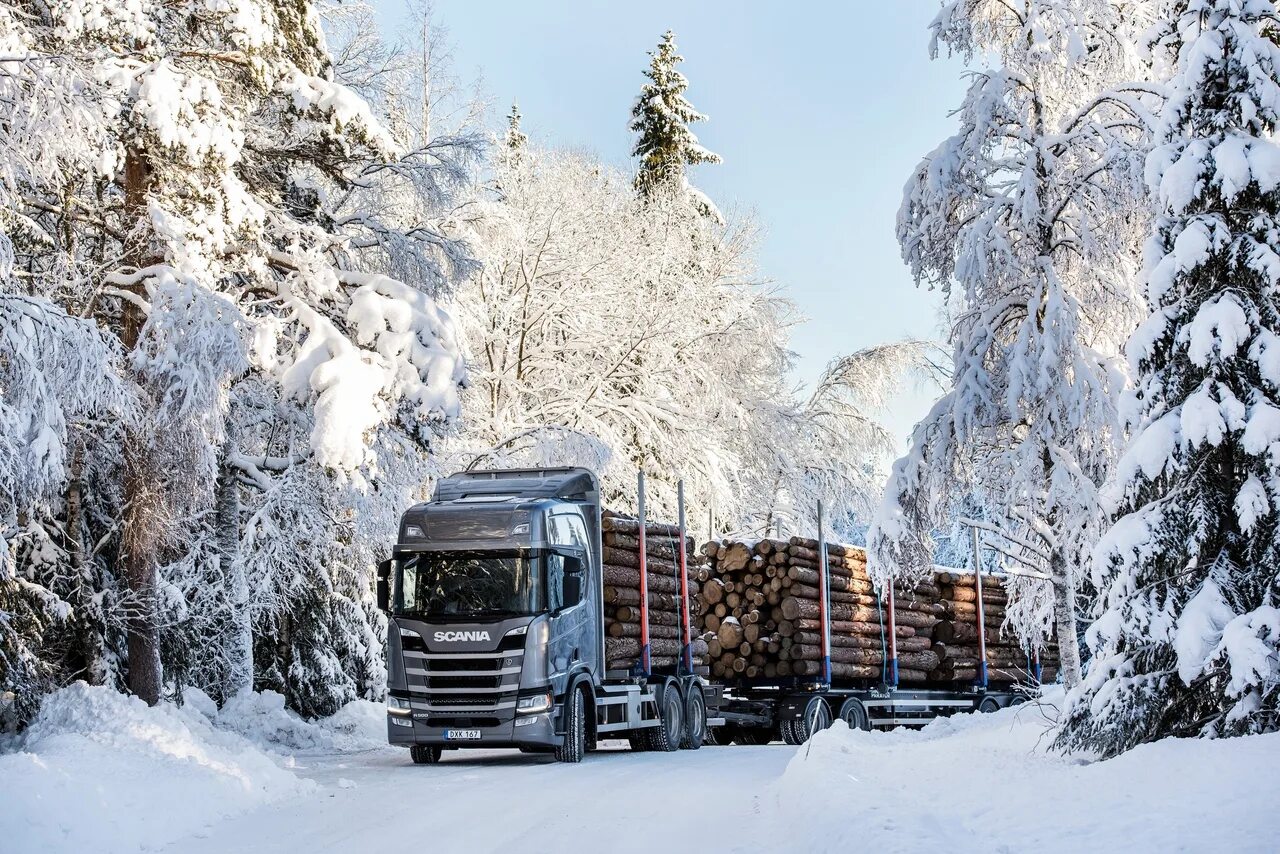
(642, 666)
(1035, 671)
(686, 650)
(824, 596)
(893, 638)
(982, 626)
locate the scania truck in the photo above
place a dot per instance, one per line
(494, 598)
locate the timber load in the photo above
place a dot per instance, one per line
(622, 612)
(762, 616)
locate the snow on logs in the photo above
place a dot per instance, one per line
(761, 615)
(621, 577)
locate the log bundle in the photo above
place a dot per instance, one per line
(621, 572)
(761, 615)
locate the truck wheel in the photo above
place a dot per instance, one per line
(817, 717)
(855, 714)
(988, 705)
(667, 735)
(639, 740)
(575, 730)
(790, 734)
(695, 719)
(425, 754)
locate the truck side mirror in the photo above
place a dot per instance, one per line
(572, 581)
(384, 585)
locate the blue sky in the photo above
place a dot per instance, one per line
(820, 111)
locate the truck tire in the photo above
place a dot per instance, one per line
(816, 717)
(790, 734)
(853, 713)
(668, 734)
(575, 730)
(695, 719)
(425, 754)
(989, 705)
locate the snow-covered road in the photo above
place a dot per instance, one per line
(102, 772)
(496, 800)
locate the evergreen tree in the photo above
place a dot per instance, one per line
(661, 116)
(515, 139)
(1188, 640)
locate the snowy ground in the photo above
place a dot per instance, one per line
(103, 773)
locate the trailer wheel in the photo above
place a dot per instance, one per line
(855, 714)
(817, 717)
(988, 705)
(695, 719)
(789, 733)
(669, 732)
(425, 754)
(575, 730)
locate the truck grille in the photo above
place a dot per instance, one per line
(465, 684)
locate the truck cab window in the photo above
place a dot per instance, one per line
(555, 583)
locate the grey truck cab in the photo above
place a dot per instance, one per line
(496, 634)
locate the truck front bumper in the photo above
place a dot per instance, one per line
(533, 730)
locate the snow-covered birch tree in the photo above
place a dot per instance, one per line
(1188, 639)
(601, 334)
(1019, 219)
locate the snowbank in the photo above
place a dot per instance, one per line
(988, 783)
(101, 771)
(263, 719)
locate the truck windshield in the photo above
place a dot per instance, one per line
(469, 584)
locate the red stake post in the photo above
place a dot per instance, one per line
(686, 653)
(643, 664)
(893, 639)
(982, 625)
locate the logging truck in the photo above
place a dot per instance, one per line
(517, 620)
(494, 597)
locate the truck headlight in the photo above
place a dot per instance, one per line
(399, 707)
(534, 705)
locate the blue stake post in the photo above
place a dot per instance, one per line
(824, 595)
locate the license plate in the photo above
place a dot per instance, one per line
(462, 734)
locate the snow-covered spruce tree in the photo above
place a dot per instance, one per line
(318, 635)
(58, 374)
(661, 116)
(1188, 640)
(1020, 219)
(207, 203)
(514, 139)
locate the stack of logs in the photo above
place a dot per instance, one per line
(761, 601)
(622, 593)
(955, 637)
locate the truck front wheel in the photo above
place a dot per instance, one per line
(425, 754)
(575, 730)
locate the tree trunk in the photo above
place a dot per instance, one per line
(1064, 620)
(239, 651)
(143, 505)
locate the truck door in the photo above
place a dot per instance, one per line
(574, 626)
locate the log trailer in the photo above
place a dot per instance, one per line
(494, 598)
